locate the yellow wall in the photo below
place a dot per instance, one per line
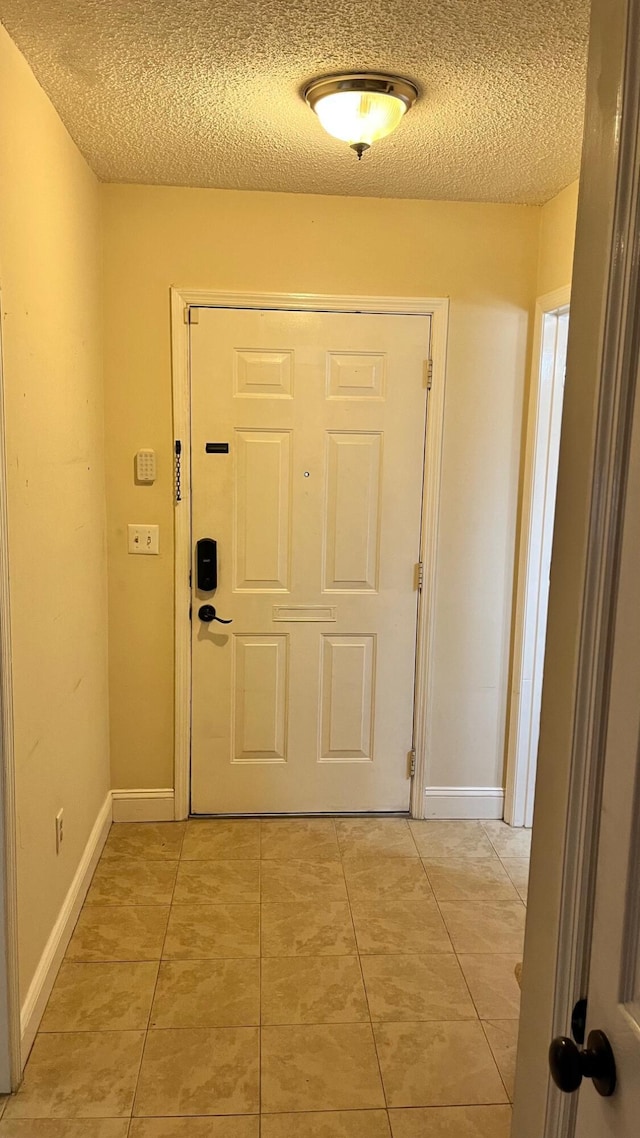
(557, 238)
(485, 258)
(50, 280)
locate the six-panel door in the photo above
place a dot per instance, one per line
(305, 702)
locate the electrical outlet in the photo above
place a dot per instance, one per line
(59, 830)
(143, 539)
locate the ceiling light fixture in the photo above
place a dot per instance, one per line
(361, 107)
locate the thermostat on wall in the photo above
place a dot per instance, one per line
(146, 466)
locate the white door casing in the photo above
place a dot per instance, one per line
(182, 300)
(534, 561)
(306, 703)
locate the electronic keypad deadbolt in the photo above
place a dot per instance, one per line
(206, 565)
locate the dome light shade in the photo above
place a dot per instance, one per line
(360, 108)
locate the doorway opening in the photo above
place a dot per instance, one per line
(538, 512)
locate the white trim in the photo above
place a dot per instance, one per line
(143, 805)
(8, 860)
(182, 556)
(423, 700)
(611, 161)
(44, 978)
(438, 310)
(558, 934)
(463, 802)
(538, 506)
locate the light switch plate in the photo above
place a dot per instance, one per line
(146, 466)
(144, 539)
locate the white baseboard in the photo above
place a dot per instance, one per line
(40, 988)
(143, 805)
(464, 802)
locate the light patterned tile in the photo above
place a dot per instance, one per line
(416, 988)
(127, 932)
(325, 989)
(375, 837)
(518, 870)
(205, 932)
(221, 840)
(101, 997)
(493, 984)
(327, 1124)
(508, 841)
(125, 881)
(437, 838)
(437, 1064)
(503, 1041)
(300, 839)
(247, 1126)
(207, 993)
(399, 927)
(390, 878)
(213, 1071)
(326, 1067)
(452, 1122)
(210, 882)
(79, 1075)
(148, 841)
(315, 928)
(303, 881)
(469, 879)
(65, 1128)
(485, 926)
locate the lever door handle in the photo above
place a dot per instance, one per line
(207, 613)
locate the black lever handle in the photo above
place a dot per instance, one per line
(207, 613)
(569, 1065)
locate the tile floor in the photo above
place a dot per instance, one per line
(307, 978)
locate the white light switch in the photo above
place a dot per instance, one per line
(144, 539)
(146, 466)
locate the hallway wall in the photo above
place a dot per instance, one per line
(50, 265)
(485, 258)
(557, 239)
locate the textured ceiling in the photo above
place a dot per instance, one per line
(207, 92)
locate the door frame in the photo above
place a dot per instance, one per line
(182, 301)
(593, 461)
(538, 507)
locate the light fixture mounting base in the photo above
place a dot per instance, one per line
(376, 82)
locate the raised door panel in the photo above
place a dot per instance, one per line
(352, 511)
(347, 697)
(262, 510)
(260, 698)
(356, 375)
(263, 373)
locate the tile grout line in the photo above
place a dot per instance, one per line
(482, 1025)
(155, 988)
(366, 995)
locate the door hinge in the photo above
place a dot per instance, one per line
(191, 314)
(411, 757)
(419, 576)
(428, 374)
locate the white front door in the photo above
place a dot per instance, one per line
(614, 980)
(305, 702)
